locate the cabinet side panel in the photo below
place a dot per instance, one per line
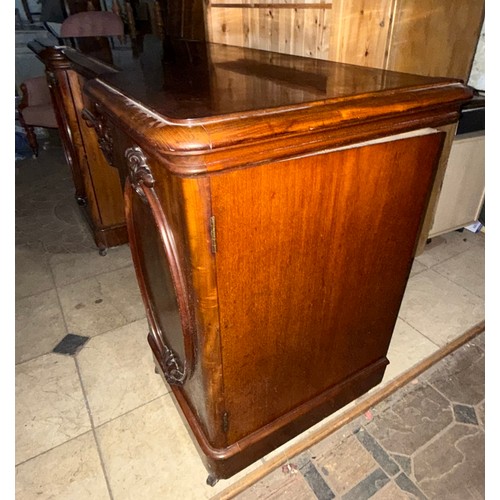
(313, 257)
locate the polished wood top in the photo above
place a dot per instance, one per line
(194, 103)
(188, 80)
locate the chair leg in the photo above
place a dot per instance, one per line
(31, 136)
(29, 129)
(30, 132)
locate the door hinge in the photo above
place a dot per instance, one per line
(225, 421)
(213, 235)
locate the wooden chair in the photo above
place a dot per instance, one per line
(35, 109)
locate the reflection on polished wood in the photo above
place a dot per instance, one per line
(273, 206)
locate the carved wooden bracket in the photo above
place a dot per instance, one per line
(172, 368)
(139, 171)
(103, 131)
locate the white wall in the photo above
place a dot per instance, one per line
(477, 75)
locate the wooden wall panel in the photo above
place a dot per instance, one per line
(279, 26)
(435, 37)
(226, 26)
(428, 37)
(360, 31)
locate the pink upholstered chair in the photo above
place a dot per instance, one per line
(36, 108)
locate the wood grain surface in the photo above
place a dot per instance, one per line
(312, 262)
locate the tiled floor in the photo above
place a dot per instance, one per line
(425, 441)
(97, 422)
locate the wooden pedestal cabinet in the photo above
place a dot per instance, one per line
(96, 182)
(273, 206)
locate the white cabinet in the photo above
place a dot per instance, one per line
(462, 191)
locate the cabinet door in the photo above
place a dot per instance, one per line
(157, 265)
(313, 256)
(462, 192)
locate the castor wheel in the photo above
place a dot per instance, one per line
(103, 252)
(212, 480)
(81, 201)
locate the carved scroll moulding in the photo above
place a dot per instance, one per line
(139, 171)
(140, 176)
(103, 131)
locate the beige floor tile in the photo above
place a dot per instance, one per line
(69, 471)
(417, 267)
(39, 325)
(466, 269)
(32, 272)
(50, 407)
(122, 286)
(477, 238)
(101, 303)
(72, 267)
(117, 372)
(448, 245)
(148, 453)
(408, 347)
(439, 308)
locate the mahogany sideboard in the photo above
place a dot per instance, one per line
(273, 206)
